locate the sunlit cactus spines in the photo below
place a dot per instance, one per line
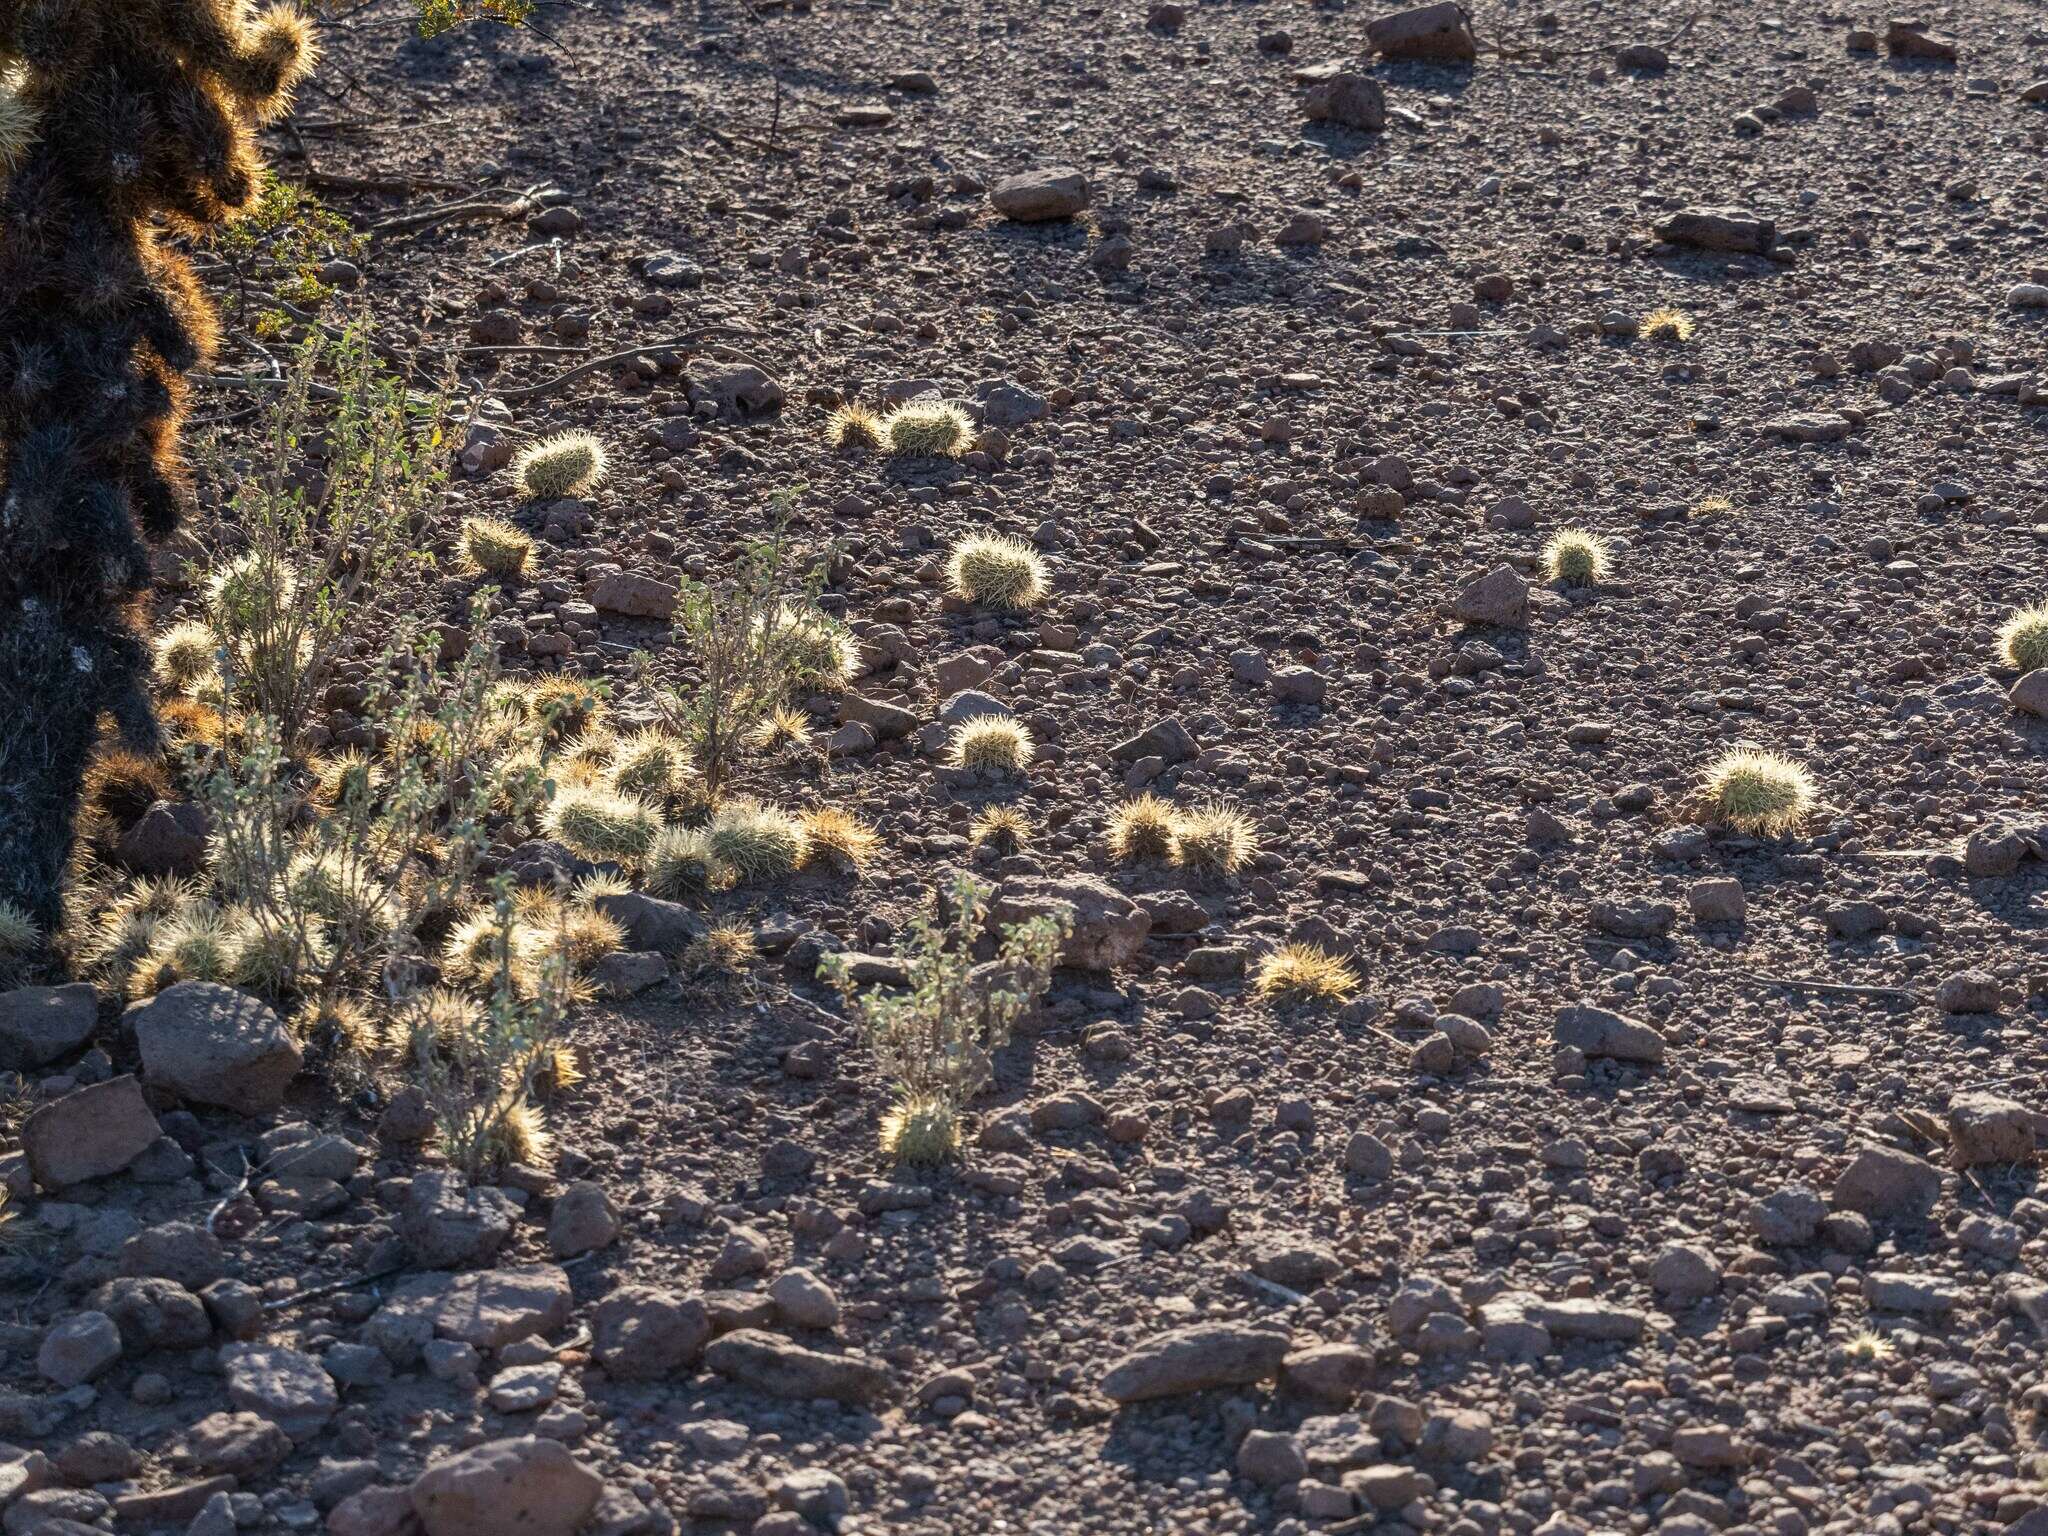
(123, 124)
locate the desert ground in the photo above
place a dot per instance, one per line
(1605, 1165)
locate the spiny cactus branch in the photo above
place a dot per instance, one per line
(117, 115)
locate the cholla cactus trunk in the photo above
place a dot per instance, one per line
(126, 112)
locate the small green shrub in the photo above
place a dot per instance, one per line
(935, 1040)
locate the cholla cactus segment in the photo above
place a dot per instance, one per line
(19, 120)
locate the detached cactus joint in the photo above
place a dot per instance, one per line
(114, 114)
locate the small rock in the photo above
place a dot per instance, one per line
(582, 1221)
(40, 1024)
(1500, 598)
(211, 1044)
(1599, 1033)
(1720, 229)
(772, 1364)
(1348, 100)
(1985, 1127)
(1038, 196)
(518, 1487)
(89, 1134)
(79, 1348)
(1440, 32)
(1194, 1359)
(1888, 1185)
(288, 1388)
(642, 1333)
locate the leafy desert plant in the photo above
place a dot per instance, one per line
(1761, 793)
(1304, 973)
(936, 1039)
(287, 611)
(747, 631)
(991, 571)
(279, 246)
(334, 882)
(438, 16)
(482, 1077)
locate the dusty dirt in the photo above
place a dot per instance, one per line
(1570, 1296)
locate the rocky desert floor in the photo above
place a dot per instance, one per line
(1657, 1178)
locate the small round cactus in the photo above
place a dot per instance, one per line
(601, 824)
(1760, 793)
(567, 464)
(566, 708)
(186, 654)
(1667, 324)
(1576, 558)
(680, 864)
(1142, 829)
(584, 935)
(2023, 642)
(494, 548)
(1001, 827)
(755, 841)
(1305, 973)
(18, 119)
(1216, 839)
(332, 884)
(993, 742)
(651, 764)
(19, 934)
(838, 838)
(994, 572)
(853, 429)
(927, 429)
(196, 944)
(244, 595)
(819, 650)
(920, 1132)
(268, 960)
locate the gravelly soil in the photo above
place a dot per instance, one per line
(1570, 1295)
